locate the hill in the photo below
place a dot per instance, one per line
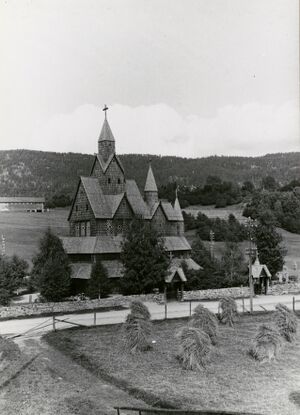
(38, 173)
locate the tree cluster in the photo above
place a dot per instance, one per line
(12, 274)
(144, 259)
(283, 208)
(230, 230)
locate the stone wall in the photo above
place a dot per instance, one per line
(238, 292)
(281, 289)
(216, 294)
(36, 309)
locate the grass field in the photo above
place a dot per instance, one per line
(23, 230)
(231, 381)
(211, 212)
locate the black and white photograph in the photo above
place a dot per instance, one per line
(149, 207)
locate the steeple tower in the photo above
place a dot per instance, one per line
(106, 141)
(177, 207)
(150, 191)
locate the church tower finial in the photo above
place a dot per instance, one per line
(106, 141)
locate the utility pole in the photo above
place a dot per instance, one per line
(250, 252)
(211, 243)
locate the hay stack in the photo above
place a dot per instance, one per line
(267, 344)
(137, 328)
(227, 311)
(139, 308)
(194, 349)
(286, 322)
(205, 320)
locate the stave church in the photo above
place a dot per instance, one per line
(104, 204)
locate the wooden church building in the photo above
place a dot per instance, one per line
(104, 204)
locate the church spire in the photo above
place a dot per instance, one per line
(106, 141)
(177, 207)
(150, 190)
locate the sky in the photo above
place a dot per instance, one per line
(190, 78)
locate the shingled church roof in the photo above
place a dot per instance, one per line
(106, 133)
(150, 185)
(106, 244)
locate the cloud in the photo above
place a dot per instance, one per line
(251, 129)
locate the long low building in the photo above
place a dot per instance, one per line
(22, 204)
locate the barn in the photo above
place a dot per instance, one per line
(22, 204)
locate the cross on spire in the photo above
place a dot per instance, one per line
(105, 109)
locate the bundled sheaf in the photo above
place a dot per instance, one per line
(137, 328)
(204, 319)
(194, 348)
(286, 322)
(267, 344)
(138, 308)
(227, 310)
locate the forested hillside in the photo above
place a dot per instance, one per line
(37, 173)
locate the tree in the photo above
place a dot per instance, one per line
(210, 276)
(99, 284)
(144, 259)
(269, 183)
(12, 273)
(269, 245)
(51, 269)
(233, 265)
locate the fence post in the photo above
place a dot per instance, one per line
(294, 304)
(243, 303)
(166, 305)
(53, 322)
(95, 317)
(190, 308)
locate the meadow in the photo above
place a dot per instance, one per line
(231, 381)
(23, 230)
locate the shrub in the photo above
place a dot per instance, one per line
(194, 348)
(227, 310)
(204, 319)
(286, 322)
(137, 328)
(267, 344)
(138, 308)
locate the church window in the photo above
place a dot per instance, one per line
(119, 228)
(86, 207)
(82, 229)
(88, 228)
(109, 180)
(119, 181)
(109, 228)
(77, 227)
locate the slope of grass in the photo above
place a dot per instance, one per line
(23, 230)
(232, 381)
